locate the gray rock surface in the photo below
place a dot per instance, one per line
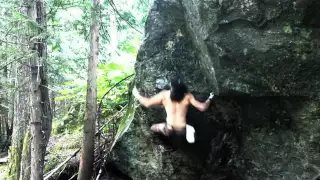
(262, 58)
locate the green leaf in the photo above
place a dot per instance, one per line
(126, 121)
(114, 66)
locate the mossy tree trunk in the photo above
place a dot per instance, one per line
(19, 112)
(20, 119)
(25, 158)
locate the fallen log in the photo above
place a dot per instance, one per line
(49, 174)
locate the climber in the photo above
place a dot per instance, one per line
(176, 102)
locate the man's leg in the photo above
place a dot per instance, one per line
(160, 128)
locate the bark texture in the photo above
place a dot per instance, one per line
(20, 120)
(25, 171)
(87, 155)
(41, 117)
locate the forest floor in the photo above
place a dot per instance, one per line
(60, 147)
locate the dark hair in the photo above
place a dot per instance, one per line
(177, 90)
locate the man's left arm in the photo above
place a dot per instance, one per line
(148, 102)
(201, 106)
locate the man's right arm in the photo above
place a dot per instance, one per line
(148, 102)
(201, 106)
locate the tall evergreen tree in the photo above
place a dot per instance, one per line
(87, 156)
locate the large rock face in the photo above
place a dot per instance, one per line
(262, 59)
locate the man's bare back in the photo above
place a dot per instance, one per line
(177, 111)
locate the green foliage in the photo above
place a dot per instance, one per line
(126, 121)
(67, 36)
(109, 75)
(68, 51)
(128, 46)
(71, 122)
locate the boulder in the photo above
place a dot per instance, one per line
(261, 58)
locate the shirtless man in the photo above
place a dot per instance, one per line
(176, 102)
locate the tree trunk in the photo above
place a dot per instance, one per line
(12, 93)
(2, 134)
(53, 102)
(87, 156)
(20, 120)
(41, 121)
(5, 109)
(35, 125)
(41, 118)
(3, 106)
(25, 158)
(113, 31)
(19, 110)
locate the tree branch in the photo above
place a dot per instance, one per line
(113, 6)
(100, 104)
(4, 66)
(9, 42)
